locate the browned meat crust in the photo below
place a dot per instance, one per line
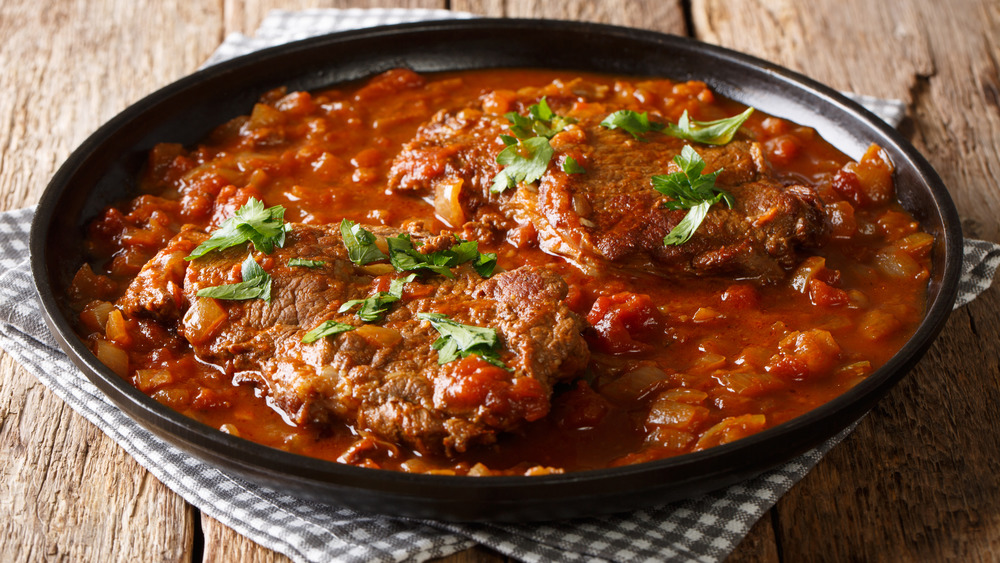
(611, 215)
(383, 378)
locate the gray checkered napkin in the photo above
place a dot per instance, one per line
(700, 529)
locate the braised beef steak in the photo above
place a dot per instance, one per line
(384, 377)
(610, 215)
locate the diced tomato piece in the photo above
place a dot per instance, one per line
(476, 383)
(846, 183)
(622, 321)
(806, 354)
(824, 294)
(741, 296)
(783, 149)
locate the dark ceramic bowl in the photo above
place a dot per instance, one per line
(104, 170)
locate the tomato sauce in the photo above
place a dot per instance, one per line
(677, 365)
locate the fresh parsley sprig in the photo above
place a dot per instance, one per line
(718, 132)
(326, 328)
(525, 161)
(256, 284)
(541, 121)
(689, 189)
(265, 228)
(460, 340)
(527, 154)
(360, 243)
(404, 256)
(632, 122)
(374, 307)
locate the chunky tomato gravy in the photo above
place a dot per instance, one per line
(678, 364)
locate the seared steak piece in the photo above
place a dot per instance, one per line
(384, 377)
(611, 215)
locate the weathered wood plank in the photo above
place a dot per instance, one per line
(875, 48)
(244, 16)
(759, 545)
(223, 545)
(918, 479)
(666, 16)
(67, 492)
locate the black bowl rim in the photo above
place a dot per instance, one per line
(214, 445)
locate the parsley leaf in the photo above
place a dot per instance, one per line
(718, 132)
(405, 257)
(691, 190)
(374, 307)
(571, 166)
(265, 228)
(541, 121)
(527, 155)
(256, 284)
(306, 263)
(460, 340)
(485, 264)
(524, 162)
(326, 328)
(360, 243)
(632, 122)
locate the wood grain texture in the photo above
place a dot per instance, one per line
(67, 492)
(759, 545)
(244, 16)
(223, 545)
(918, 480)
(665, 15)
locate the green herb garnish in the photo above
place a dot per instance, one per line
(404, 256)
(718, 132)
(571, 166)
(256, 284)
(306, 263)
(691, 190)
(527, 154)
(525, 161)
(360, 243)
(374, 307)
(326, 328)
(485, 263)
(265, 228)
(632, 122)
(459, 340)
(541, 121)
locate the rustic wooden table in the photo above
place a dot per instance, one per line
(918, 480)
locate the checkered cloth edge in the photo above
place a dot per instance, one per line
(701, 529)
